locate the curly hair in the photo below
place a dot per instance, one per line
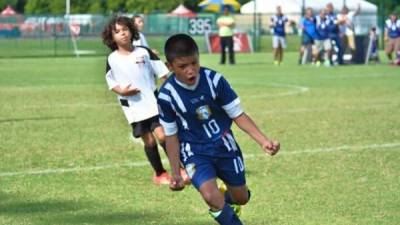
(107, 34)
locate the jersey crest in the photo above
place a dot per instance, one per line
(203, 112)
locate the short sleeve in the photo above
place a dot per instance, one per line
(167, 114)
(111, 82)
(227, 97)
(157, 66)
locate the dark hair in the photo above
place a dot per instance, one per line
(180, 45)
(107, 34)
(136, 16)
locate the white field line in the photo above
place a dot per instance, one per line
(384, 146)
(295, 90)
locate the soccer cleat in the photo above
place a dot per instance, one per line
(185, 177)
(236, 208)
(276, 63)
(163, 178)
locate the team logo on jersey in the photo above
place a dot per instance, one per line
(203, 112)
(190, 169)
(140, 60)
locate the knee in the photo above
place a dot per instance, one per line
(149, 142)
(214, 199)
(242, 199)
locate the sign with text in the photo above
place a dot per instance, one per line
(200, 25)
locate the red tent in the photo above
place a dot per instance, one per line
(8, 11)
(182, 11)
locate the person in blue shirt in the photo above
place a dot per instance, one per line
(392, 36)
(277, 24)
(333, 28)
(322, 41)
(308, 37)
(197, 108)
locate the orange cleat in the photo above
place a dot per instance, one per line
(164, 178)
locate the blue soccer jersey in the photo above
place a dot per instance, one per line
(279, 22)
(202, 113)
(393, 28)
(333, 27)
(322, 28)
(309, 27)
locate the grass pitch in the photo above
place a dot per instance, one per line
(66, 155)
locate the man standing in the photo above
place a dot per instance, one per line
(334, 32)
(226, 23)
(392, 36)
(277, 25)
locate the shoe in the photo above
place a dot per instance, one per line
(163, 178)
(236, 208)
(276, 63)
(185, 177)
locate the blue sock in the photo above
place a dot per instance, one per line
(226, 216)
(228, 198)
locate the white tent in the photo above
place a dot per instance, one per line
(294, 6)
(269, 7)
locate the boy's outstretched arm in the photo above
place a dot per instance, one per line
(172, 144)
(245, 123)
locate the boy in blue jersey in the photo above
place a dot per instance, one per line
(197, 107)
(333, 28)
(309, 34)
(277, 25)
(322, 42)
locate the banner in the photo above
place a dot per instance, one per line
(241, 43)
(75, 29)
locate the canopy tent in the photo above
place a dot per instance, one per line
(8, 11)
(269, 6)
(295, 6)
(182, 11)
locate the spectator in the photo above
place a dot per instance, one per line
(334, 33)
(309, 34)
(277, 25)
(373, 48)
(392, 36)
(323, 42)
(346, 27)
(226, 23)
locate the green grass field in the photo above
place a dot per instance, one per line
(66, 156)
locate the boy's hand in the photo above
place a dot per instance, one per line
(271, 147)
(176, 183)
(128, 91)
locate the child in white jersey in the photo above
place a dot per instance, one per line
(130, 74)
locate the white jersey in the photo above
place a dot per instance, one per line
(141, 41)
(137, 70)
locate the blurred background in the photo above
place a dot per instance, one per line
(73, 27)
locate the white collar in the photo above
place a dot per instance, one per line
(189, 87)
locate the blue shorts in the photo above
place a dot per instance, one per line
(306, 40)
(223, 164)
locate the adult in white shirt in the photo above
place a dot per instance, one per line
(346, 26)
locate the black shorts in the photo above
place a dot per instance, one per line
(145, 126)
